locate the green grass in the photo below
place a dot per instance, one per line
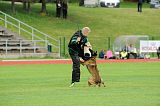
(104, 22)
(133, 5)
(128, 84)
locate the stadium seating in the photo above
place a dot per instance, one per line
(15, 46)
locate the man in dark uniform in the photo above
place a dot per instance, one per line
(140, 2)
(58, 9)
(81, 3)
(64, 9)
(75, 47)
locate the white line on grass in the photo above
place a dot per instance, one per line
(37, 60)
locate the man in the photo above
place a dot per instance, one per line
(123, 54)
(58, 9)
(75, 46)
(101, 54)
(140, 5)
(81, 3)
(132, 50)
(64, 9)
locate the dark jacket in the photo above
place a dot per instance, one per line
(140, 1)
(64, 6)
(101, 54)
(77, 47)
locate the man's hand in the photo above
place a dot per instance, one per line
(82, 62)
(78, 39)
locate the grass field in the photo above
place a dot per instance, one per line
(104, 22)
(128, 84)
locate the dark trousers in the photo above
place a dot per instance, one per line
(134, 54)
(76, 68)
(58, 12)
(139, 7)
(64, 13)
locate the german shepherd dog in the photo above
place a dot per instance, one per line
(91, 65)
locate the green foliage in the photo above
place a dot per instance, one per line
(127, 84)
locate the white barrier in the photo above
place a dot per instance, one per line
(149, 45)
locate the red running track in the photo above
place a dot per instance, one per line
(30, 62)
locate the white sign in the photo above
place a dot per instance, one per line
(149, 46)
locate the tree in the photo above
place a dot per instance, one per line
(43, 9)
(13, 7)
(24, 5)
(29, 6)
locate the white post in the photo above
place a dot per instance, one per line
(34, 46)
(59, 49)
(19, 25)
(20, 48)
(5, 20)
(32, 34)
(6, 46)
(46, 41)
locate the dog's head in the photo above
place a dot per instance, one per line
(90, 60)
(93, 55)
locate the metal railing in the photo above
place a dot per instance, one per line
(31, 33)
(20, 45)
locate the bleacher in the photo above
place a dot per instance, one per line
(26, 42)
(15, 46)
